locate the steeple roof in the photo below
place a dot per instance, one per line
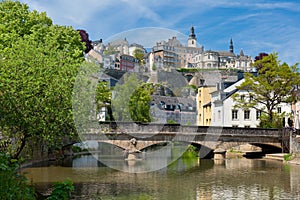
(192, 33)
(231, 46)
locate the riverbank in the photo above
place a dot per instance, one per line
(280, 156)
(295, 161)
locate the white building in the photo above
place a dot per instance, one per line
(225, 114)
(222, 60)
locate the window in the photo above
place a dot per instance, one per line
(246, 114)
(258, 114)
(279, 109)
(247, 126)
(242, 97)
(251, 98)
(234, 114)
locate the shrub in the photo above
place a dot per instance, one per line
(62, 190)
(12, 184)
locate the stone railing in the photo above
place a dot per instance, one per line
(131, 127)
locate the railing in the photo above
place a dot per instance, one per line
(131, 127)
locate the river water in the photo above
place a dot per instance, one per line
(189, 179)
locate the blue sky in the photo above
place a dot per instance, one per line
(254, 25)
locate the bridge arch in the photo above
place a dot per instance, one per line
(268, 147)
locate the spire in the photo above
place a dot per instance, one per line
(192, 33)
(231, 46)
(242, 53)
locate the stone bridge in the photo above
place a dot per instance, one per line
(146, 135)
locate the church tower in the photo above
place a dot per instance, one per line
(192, 41)
(231, 46)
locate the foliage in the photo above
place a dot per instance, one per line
(139, 55)
(171, 121)
(110, 51)
(84, 97)
(260, 56)
(38, 65)
(122, 94)
(154, 67)
(139, 103)
(190, 70)
(191, 152)
(193, 70)
(85, 38)
(62, 190)
(288, 157)
(277, 121)
(103, 98)
(12, 184)
(273, 86)
(77, 149)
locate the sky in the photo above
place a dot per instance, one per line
(254, 25)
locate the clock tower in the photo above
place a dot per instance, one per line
(192, 41)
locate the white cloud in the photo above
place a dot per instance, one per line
(66, 12)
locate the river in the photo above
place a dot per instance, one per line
(237, 178)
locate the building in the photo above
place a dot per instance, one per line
(222, 60)
(168, 109)
(226, 114)
(204, 105)
(295, 112)
(175, 54)
(166, 54)
(154, 62)
(126, 63)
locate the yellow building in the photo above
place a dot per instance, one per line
(204, 105)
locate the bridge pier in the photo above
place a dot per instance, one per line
(219, 154)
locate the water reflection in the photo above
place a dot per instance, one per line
(183, 179)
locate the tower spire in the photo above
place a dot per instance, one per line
(192, 33)
(231, 46)
(192, 41)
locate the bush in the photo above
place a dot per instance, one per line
(13, 185)
(276, 123)
(287, 157)
(62, 190)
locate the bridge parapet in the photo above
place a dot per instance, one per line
(120, 133)
(133, 128)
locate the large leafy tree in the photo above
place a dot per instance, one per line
(139, 103)
(273, 85)
(131, 100)
(122, 94)
(38, 65)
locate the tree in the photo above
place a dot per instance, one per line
(139, 103)
(103, 98)
(38, 65)
(122, 94)
(273, 86)
(259, 57)
(85, 38)
(139, 55)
